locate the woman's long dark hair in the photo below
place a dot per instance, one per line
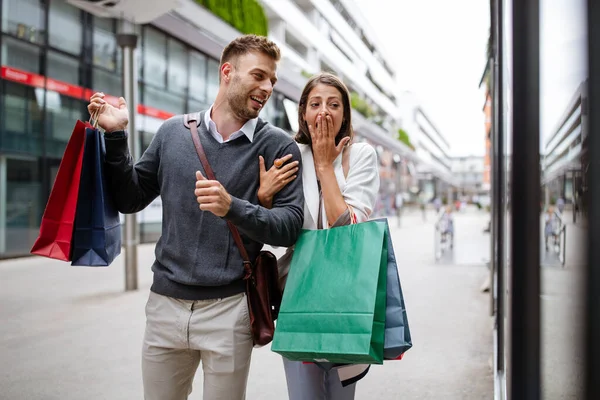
(303, 135)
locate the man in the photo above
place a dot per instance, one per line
(197, 309)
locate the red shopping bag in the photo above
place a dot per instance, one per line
(56, 229)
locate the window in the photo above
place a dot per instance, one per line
(63, 68)
(155, 60)
(20, 55)
(62, 115)
(105, 43)
(198, 76)
(164, 101)
(195, 106)
(24, 19)
(212, 80)
(178, 67)
(65, 28)
(23, 206)
(107, 82)
(21, 118)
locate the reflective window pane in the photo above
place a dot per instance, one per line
(23, 205)
(105, 43)
(63, 68)
(21, 118)
(20, 55)
(62, 114)
(107, 82)
(213, 80)
(178, 67)
(195, 106)
(563, 95)
(155, 58)
(65, 29)
(24, 19)
(197, 76)
(164, 101)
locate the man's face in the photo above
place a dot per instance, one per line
(251, 82)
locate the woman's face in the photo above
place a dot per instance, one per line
(325, 99)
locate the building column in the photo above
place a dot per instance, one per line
(313, 58)
(277, 29)
(3, 201)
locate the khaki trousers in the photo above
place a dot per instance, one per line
(181, 333)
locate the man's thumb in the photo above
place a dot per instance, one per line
(199, 176)
(261, 163)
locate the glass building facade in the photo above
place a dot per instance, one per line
(53, 57)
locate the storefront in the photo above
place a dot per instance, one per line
(54, 56)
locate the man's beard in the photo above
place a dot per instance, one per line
(238, 102)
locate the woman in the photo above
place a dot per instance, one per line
(341, 181)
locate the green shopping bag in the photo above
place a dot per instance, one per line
(333, 306)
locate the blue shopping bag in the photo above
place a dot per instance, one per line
(397, 332)
(97, 233)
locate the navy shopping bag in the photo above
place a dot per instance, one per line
(397, 332)
(97, 233)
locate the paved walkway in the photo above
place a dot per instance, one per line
(72, 333)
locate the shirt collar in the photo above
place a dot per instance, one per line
(247, 129)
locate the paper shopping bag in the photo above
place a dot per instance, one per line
(333, 306)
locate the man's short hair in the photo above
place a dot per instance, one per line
(247, 44)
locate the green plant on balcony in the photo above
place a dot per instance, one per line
(404, 138)
(361, 105)
(247, 16)
(306, 74)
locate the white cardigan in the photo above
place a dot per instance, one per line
(359, 189)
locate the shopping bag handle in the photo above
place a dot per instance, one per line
(94, 117)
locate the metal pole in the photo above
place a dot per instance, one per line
(498, 183)
(3, 194)
(128, 43)
(592, 292)
(524, 363)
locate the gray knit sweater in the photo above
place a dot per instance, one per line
(196, 256)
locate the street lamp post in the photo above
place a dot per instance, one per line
(127, 40)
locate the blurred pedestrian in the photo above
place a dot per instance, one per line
(560, 205)
(551, 228)
(197, 309)
(447, 227)
(437, 204)
(423, 207)
(399, 205)
(341, 182)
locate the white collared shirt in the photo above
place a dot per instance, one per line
(247, 129)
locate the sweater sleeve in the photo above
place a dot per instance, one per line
(133, 185)
(280, 225)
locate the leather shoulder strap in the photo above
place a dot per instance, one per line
(191, 122)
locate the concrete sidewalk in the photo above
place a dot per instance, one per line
(72, 333)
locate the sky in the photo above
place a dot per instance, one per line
(438, 48)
